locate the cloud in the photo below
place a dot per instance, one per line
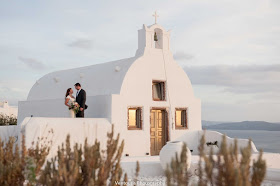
(237, 79)
(81, 43)
(13, 92)
(182, 56)
(33, 63)
(258, 111)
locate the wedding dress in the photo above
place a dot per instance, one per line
(70, 102)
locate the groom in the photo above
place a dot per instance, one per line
(81, 100)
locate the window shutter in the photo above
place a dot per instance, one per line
(138, 118)
(183, 116)
(162, 91)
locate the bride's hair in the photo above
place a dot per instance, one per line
(67, 92)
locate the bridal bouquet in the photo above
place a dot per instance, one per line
(75, 107)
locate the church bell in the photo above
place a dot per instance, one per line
(155, 37)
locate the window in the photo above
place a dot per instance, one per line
(181, 120)
(134, 118)
(158, 90)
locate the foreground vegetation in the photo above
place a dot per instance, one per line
(86, 165)
(227, 168)
(7, 120)
(89, 165)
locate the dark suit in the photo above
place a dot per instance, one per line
(81, 100)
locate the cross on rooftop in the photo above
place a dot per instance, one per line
(156, 16)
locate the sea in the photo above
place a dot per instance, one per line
(269, 141)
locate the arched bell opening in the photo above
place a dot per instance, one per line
(158, 38)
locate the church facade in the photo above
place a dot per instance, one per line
(148, 97)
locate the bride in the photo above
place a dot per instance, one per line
(69, 101)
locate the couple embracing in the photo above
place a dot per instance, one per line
(76, 105)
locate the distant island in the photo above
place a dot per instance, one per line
(244, 125)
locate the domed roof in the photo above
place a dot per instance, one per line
(99, 79)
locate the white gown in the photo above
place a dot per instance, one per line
(71, 101)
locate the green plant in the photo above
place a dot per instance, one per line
(7, 120)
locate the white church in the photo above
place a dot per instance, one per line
(148, 97)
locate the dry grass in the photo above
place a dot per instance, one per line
(17, 166)
(80, 165)
(86, 165)
(89, 165)
(228, 169)
(177, 173)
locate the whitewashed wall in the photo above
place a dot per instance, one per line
(98, 107)
(79, 129)
(192, 139)
(137, 92)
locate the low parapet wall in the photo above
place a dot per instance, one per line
(192, 139)
(8, 131)
(57, 129)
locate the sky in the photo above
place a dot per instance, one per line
(230, 49)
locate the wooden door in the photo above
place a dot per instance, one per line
(157, 131)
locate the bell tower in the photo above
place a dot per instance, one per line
(153, 37)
